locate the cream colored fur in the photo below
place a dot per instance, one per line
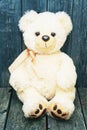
(45, 79)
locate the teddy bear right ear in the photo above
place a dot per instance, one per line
(65, 21)
(27, 19)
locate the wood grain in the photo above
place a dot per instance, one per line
(4, 105)
(10, 40)
(79, 42)
(83, 99)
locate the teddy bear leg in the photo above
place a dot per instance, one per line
(34, 105)
(61, 106)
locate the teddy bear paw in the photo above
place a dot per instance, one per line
(38, 111)
(58, 112)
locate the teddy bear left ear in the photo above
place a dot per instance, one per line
(27, 19)
(65, 20)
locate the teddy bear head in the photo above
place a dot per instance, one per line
(45, 32)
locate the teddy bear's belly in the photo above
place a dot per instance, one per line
(45, 87)
(43, 77)
(45, 84)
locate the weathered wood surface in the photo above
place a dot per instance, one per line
(83, 99)
(17, 121)
(4, 106)
(11, 41)
(12, 118)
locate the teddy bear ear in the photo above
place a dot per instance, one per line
(27, 19)
(65, 20)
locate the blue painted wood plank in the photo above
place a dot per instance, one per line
(37, 5)
(4, 106)
(79, 42)
(10, 40)
(83, 99)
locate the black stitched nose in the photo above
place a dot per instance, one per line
(45, 38)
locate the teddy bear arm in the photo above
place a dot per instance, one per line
(19, 60)
(66, 76)
(19, 79)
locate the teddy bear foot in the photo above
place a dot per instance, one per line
(58, 112)
(34, 109)
(40, 111)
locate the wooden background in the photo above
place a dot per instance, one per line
(11, 42)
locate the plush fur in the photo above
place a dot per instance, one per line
(43, 76)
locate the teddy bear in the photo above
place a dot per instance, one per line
(43, 76)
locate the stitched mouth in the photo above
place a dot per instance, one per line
(45, 45)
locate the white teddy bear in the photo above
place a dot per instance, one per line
(43, 76)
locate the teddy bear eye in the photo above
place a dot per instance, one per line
(53, 34)
(37, 33)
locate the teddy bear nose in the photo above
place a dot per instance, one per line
(45, 38)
